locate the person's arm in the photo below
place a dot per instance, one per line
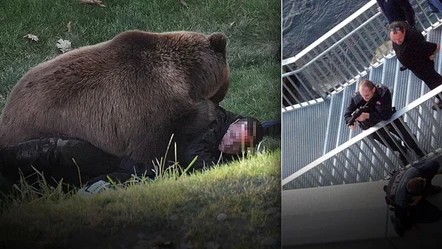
(408, 11)
(201, 152)
(433, 56)
(350, 109)
(103, 182)
(428, 49)
(204, 146)
(383, 110)
(415, 200)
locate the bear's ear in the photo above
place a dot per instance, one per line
(218, 41)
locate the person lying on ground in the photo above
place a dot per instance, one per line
(78, 162)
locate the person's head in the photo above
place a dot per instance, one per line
(242, 134)
(397, 32)
(367, 89)
(416, 185)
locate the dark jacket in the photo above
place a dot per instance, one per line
(397, 10)
(406, 214)
(379, 107)
(205, 145)
(414, 52)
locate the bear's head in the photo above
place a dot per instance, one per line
(204, 57)
(219, 43)
(184, 57)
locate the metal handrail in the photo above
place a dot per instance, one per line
(328, 34)
(420, 102)
(313, 74)
(329, 48)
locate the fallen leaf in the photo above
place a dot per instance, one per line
(64, 45)
(184, 3)
(31, 37)
(93, 2)
(69, 26)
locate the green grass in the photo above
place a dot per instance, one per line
(244, 190)
(182, 210)
(252, 27)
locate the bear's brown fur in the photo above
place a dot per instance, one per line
(122, 95)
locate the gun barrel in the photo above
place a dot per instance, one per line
(355, 115)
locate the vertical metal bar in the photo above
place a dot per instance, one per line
(298, 91)
(341, 55)
(332, 72)
(380, 153)
(358, 172)
(307, 88)
(337, 168)
(349, 59)
(328, 176)
(352, 45)
(329, 56)
(362, 39)
(419, 129)
(402, 136)
(323, 74)
(348, 163)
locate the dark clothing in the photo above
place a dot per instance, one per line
(414, 54)
(397, 10)
(54, 155)
(57, 157)
(423, 212)
(394, 143)
(427, 169)
(380, 108)
(205, 145)
(435, 6)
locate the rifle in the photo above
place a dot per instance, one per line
(356, 114)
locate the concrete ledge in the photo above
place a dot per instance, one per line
(349, 216)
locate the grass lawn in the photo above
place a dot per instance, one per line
(168, 213)
(252, 27)
(187, 212)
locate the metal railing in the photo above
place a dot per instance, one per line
(344, 53)
(362, 159)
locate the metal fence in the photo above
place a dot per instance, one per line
(363, 159)
(344, 53)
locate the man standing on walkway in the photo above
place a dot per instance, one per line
(376, 103)
(416, 54)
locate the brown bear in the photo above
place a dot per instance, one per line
(123, 95)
